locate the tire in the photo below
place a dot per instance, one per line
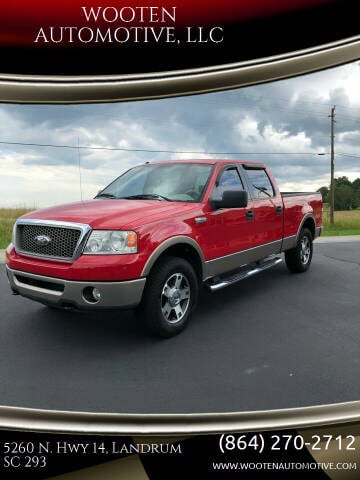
(298, 259)
(166, 314)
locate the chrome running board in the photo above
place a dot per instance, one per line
(218, 283)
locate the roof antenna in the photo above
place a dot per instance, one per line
(79, 161)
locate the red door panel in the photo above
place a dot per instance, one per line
(228, 230)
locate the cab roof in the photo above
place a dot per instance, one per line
(211, 161)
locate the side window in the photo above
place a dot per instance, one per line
(229, 180)
(260, 183)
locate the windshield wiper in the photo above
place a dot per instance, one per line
(145, 196)
(263, 190)
(105, 195)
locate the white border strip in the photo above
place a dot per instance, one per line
(26, 419)
(111, 88)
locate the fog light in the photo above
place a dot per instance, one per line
(91, 294)
(96, 294)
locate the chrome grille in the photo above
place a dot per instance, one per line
(62, 241)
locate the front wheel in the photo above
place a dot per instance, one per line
(170, 295)
(298, 259)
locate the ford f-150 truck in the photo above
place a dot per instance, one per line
(158, 232)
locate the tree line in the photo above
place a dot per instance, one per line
(346, 193)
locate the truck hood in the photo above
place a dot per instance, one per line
(107, 214)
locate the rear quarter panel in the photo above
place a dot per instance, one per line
(297, 207)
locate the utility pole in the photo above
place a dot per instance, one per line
(332, 156)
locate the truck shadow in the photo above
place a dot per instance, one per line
(86, 331)
(125, 329)
(121, 327)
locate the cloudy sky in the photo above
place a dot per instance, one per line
(285, 124)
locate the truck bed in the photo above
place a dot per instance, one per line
(296, 194)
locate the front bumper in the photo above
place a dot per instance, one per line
(73, 294)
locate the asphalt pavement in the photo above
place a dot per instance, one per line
(276, 340)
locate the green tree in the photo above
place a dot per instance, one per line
(356, 188)
(344, 197)
(342, 181)
(347, 193)
(325, 192)
(356, 184)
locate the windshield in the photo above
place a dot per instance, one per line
(184, 182)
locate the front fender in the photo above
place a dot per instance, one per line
(170, 242)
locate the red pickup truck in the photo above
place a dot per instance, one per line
(158, 232)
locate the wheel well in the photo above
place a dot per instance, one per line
(187, 252)
(310, 224)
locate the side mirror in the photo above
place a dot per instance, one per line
(230, 199)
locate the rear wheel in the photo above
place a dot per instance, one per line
(170, 296)
(298, 259)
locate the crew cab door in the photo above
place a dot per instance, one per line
(267, 206)
(228, 230)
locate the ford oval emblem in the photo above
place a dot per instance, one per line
(42, 240)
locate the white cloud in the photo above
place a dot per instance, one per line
(289, 116)
(304, 185)
(248, 134)
(41, 185)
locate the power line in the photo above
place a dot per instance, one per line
(294, 110)
(349, 117)
(123, 149)
(348, 108)
(289, 110)
(351, 155)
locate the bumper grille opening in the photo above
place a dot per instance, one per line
(47, 241)
(56, 287)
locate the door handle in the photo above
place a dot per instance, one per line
(249, 215)
(279, 210)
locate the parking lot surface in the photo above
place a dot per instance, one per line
(276, 340)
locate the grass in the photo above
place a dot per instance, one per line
(7, 219)
(346, 223)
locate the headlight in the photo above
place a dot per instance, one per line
(111, 242)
